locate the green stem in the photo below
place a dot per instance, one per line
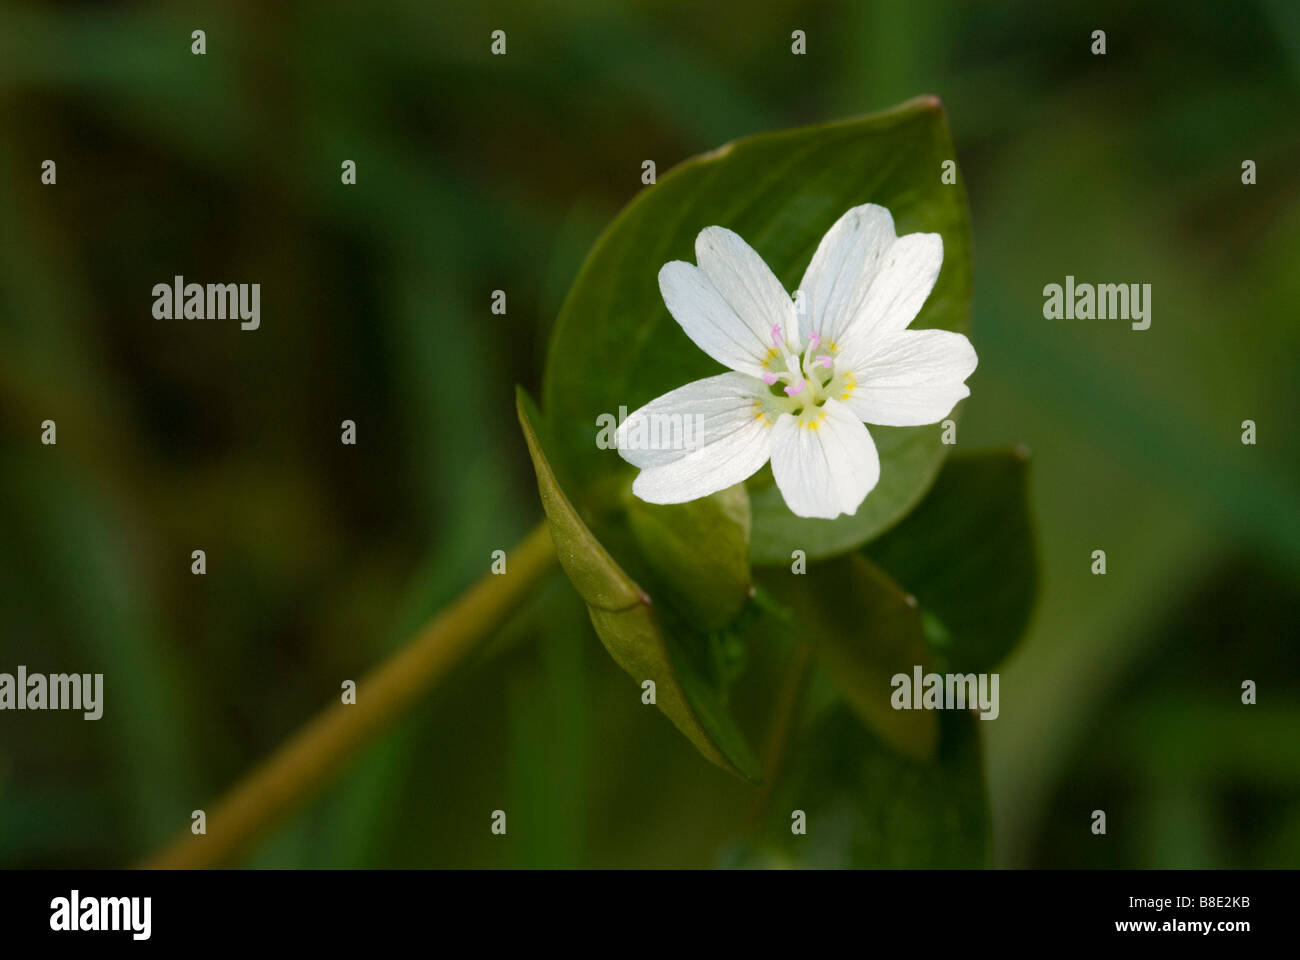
(306, 761)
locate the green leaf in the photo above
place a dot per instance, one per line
(700, 550)
(866, 806)
(863, 629)
(615, 344)
(967, 554)
(627, 625)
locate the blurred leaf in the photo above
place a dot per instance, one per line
(868, 807)
(701, 550)
(620, 611)
(615, 343)
(967, 554)
(550, 723)
(864, 630)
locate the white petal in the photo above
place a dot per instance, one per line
(729, 304)
(848, 258)
(697, 439)
(911, 378)
(825, 469)
(747, 283)
(905, 277)
(710, 321)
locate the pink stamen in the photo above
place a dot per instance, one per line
(776, 335)
(769, 378)
(826, 361)
(795, 390)
(814, 340)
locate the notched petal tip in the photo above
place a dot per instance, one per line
(929, 245)
(672, 269)
(644, 489)
(715, 238)
(868, 214)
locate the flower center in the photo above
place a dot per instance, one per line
(801, 385)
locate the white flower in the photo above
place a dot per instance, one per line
(804, 380)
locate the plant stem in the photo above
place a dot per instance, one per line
(306, 761)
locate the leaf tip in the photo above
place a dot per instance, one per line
(522, 403)
(717, 153)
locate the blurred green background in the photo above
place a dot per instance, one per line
(477, 173)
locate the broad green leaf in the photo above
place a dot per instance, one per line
(864, 630)
(867, 806)
(967, 554)
(701, 550)
(615, 344)
(624, 619)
